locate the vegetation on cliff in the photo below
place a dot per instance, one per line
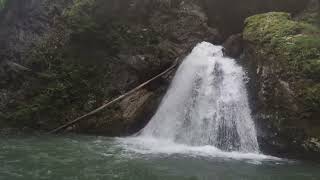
(73, 69)
(294, 42)
(66, 77)
(290, 49)
(98, 50)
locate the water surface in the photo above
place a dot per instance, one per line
(77, 157)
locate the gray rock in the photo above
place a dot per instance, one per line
(233, 46)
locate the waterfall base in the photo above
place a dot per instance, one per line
(155, 146)
(206, 105)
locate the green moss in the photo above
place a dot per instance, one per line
(312, 97)
(292, 46)
(310, 16)
(311, 68)
(268, 28)
(296, 43)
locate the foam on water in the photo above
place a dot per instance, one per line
(152, 146)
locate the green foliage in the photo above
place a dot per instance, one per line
(73, 64)
(92, 24)
(312, 68)
(63, 86)
(79, 16)
(312, 97)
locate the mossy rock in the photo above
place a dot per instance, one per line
(295, 44)
(266, 28)
(286, 51)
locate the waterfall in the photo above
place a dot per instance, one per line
(207, 104)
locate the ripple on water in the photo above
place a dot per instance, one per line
(94, 158)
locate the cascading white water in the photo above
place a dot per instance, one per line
(204, 113)
(206, 104)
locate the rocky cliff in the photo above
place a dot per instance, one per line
(91, 51)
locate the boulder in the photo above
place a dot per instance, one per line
(282, 56)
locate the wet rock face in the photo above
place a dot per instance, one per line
(282, 57)
(229, 15)
(94, 51)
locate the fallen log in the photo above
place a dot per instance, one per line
(113, 101)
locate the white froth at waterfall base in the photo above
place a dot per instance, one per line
(152, 146)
